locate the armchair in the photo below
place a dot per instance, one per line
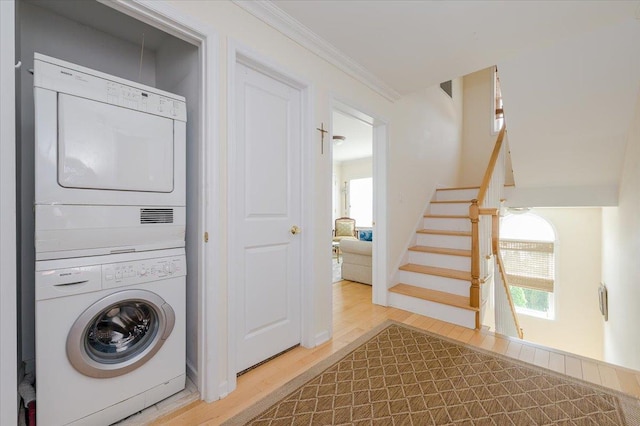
(345, 229)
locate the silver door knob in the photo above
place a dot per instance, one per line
(294, 230)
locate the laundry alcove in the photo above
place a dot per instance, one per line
(96, 36)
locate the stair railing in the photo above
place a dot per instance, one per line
(484, 216)
(506, 317)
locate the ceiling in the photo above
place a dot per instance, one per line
(359, 138)
(412, 44)
(570, 70)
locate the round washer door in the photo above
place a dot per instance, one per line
(119, 333)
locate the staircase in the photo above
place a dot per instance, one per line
(436, 279)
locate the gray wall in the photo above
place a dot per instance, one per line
(40, 30)
(177, 72)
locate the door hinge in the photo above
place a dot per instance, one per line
(206, 237)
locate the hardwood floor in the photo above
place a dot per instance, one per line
(354, 314)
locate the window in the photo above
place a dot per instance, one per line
(361, 201)
(498, 113)
(527, 245)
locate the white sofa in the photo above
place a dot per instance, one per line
(356, 260)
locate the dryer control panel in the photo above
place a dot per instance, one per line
(141, 271)
(65, 77)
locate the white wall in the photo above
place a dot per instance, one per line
(477, 129)
(425, 133)
(426, 137)
(354, 169)
(9, 350)
(45, 32)
(578, 325)
(337, 194)
(620, 255)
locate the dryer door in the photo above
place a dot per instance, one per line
(119, 333)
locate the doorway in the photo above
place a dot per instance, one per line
(352, 195)
(342, 110)
(181, 42)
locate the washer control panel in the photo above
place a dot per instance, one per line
(141, 271)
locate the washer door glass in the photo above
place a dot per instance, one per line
(119, 333)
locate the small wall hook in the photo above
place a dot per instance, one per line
(18, 65)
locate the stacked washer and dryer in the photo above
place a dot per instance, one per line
(110, 214)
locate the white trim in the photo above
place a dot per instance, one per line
(380, 248)
(292, 28)
(8, 284)
(166, 18)
(239, 53)
(380, 165)
(322, 337)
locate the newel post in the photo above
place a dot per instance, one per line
(495, 232)
(474, 215)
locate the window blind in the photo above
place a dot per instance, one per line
(529, 264)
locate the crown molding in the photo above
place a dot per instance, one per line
(296, 31)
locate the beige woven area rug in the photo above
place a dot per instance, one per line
(400, 375)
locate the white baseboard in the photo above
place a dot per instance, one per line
(223, 389)
(322, 337)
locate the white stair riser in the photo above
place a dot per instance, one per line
(457, 194)
(451, 314)
(446, 241)
(461, 263)
(434, 282)
(447, 224)
(449, 208)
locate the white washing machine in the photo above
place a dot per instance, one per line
(110, 335)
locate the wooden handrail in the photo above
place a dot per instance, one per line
(477, 209)
(482, 193)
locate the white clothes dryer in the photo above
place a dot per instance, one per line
(110, 335)
(110, 163)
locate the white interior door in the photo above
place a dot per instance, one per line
(266, 265)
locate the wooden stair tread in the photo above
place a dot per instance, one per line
(441, 250)
(458, 188)
(440, 272)
(451, 201)
(433, 296)
(444, 232)
(446, 216)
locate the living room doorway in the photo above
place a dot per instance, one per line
(358, 155)
(352, 197)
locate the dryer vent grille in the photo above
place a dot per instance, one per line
(156, 216)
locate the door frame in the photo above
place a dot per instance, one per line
(380, 280)
(9, 399)
(239, 53)
(164, 17)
